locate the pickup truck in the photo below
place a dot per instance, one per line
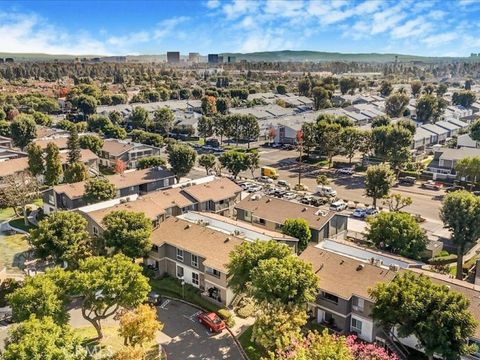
(432, 185)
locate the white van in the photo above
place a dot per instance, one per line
(323, 190)
(338, 205)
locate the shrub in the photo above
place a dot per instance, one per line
(443, 260)
(227, 315)
(246, 311)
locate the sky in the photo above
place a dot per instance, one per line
(420, 27)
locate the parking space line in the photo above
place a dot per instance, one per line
(164, 304)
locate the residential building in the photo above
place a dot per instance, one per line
(127, 151)
(71, 196)
(195, 254)
(440, 134)
(450, 127)
(445, 159)
(6, 142)
(343, 303)
(162, 204)
(465, 140)
(271, 212)
(173, 57)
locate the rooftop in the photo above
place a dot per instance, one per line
(219, 189)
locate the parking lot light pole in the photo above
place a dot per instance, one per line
(300, 146)
(183, 288)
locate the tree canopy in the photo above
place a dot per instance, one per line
(299, 229)
(378, 181)
(99, 189)
(181, 158)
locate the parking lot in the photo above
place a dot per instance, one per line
(183, 337)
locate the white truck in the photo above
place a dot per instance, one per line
(323, 190)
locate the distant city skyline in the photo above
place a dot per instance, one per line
(429, 28)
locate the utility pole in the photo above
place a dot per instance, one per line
(300, 146)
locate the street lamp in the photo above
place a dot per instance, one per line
(183, 287)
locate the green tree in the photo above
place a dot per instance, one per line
(234, 161)
(438, 317)
(139, 326)
(86, 104)
(475, 130)
(289, 280)
(247, 257)
(209, 105)
(299, 229)
(147, 138)
(23, 130)
(249, 129)
(42, 119)
(182, 159)
(304, 87)
(207, 161)
(139, 118)
(36, 164)
(378, 181)
(464, 98)
(99, 189)
(91, 142)
(108, 284)
(351, 139)
(163, 120)
(321, 98)
(222, 105)
(151, 161)
(253, 162)
(442, 89)
(328, 139)
(42, 296)
(43, 339)
(396, 104)
(397, 202)
(63, 235)
(128, 233)
(5, 128)
(460, 213)
(426, 108)
(386, 88)
(381, 121)
(73, 144)
(397, 232)
(468, 168)
(205, 127)
(17, 191)
(53, 165)
(322, 180)
(416, 87)
(75, 173)
(281, 89)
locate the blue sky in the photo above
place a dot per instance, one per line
(444, 27)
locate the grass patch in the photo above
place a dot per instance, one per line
(19, 223)
(245, 339)
(13, 251)
(172, 287)
(6, 213)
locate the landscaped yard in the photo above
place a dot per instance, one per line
(172, 287)
(13, 248)
(19, 223)
(249, 346)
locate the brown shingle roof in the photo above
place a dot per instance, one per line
(277, 210)
(115, 147)
(344, 276)
(60, 142)
(212, 245)
(216, 190)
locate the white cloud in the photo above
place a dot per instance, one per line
(238, 8)
(213, 4)
(439, 39)
(166, 27)
(411, 28)
(270, 40)
(137, 37)
(282, 8)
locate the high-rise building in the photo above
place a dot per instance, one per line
(194, 57)
(173, 57)
(231, 59)
(213, 58)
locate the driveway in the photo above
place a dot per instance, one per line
(183, 337)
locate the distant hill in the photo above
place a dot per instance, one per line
(322, 56)
(269, 56)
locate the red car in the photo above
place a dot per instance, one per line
(212, 321)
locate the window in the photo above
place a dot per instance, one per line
(216, 273)
(195, 279)
(180, 254)
(357, 303)
(51, 199)
(179, 272)
(155, 248)
(356, 325)
(330, 297)
(261, 221)
(194, 261)
(95, 231)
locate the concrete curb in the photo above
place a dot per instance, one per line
(237, 343)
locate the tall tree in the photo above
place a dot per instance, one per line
(475, 130)
(416, 87)
(106, 285)
(163, 120)
(328, 139)
(151, 161)
(460, 213)
(36, 164)
(378, 181)
(99, 189)
(386, 88)
(304, 87)
(250, 130)
(139, 118)
(438, 317)
(464, 98)
(63, 235)
(43, 339)
(396, 104)
(321, 98)
(17, 191)
(397, 232)
(23, 130)
(207, 161)
(76, 172)
(234, 161)
(139, 326)
(86, 104)
(253, 162)
(427, 108)
(53, 165)
(91, 142)
(182, 159)
(351, 139)
(73, 144)
(128, 233)
(205, 127)
(299, 229)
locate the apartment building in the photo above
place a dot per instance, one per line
(71, 196)
(195, 254)
(271, 213)
(126, 151)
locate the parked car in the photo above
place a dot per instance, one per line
(154, 299)
(431, 185)
(476, 193)
(288, 147)
(454, 188)
(407, 180)
(289, 196)
(254, 188)
(371, 211)
(318, 201)
(326, 191)
(211, 321)
(283, 183)
(338, 205)
(265, 179)
(345, 171)
(359, 213)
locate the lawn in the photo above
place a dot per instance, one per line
(249, 346)
(111, 342)
(172, 287)
(6, 213)
(13, 251)
(19, 223)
